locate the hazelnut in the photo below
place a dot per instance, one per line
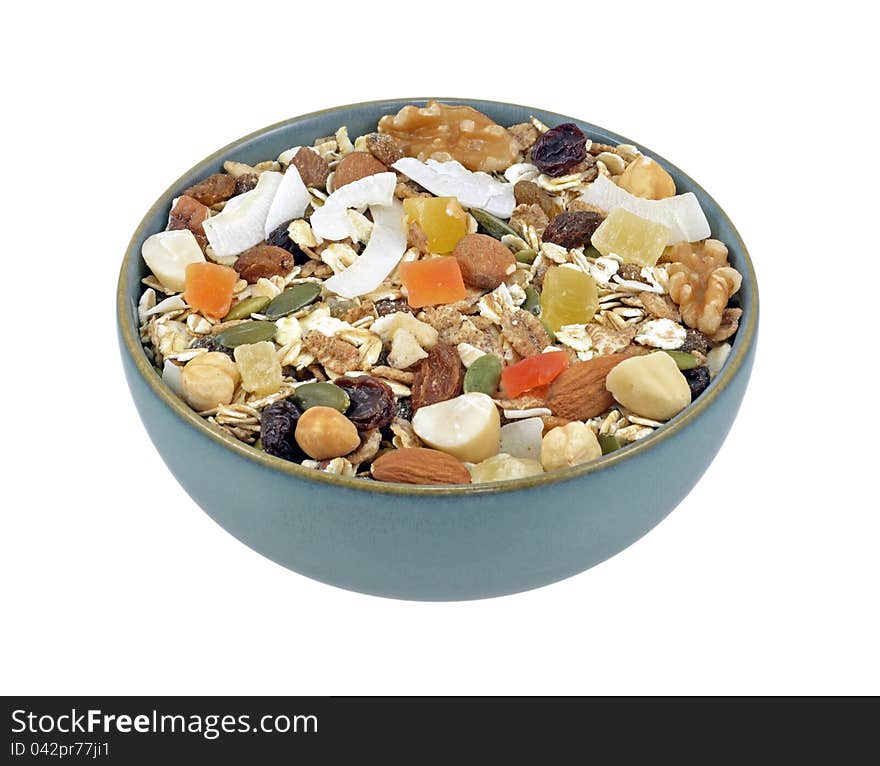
(324, 433)
(646, 178)
(209, 380)
(568, 445)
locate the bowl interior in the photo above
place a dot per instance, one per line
(361, 118)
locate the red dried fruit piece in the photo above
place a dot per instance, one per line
(190, 214)
(354, 167)
(559, 149)
(312, 167)
(439, 377)
(572, 229)
(263, 261)
(215, 188)
(372, 402)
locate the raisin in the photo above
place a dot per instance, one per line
(572, 229)
(277, 428)
(280, 237)
(216, 188)
(373, 404)
(438, 378)
(560, 149)
(245, 182)
(392, 307)
(529, 193)
(312, 167)
(211, 343)
(698, 380)
(263, 261)
(694, 341)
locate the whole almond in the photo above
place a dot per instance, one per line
(484, 261)
(579, 393)
(312, 167)
(417, 465)
(354, 166)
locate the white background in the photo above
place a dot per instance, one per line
(765, 578)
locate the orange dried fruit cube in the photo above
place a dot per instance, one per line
(432, 282)
(209, 288)
(533, 373)
(443, 220)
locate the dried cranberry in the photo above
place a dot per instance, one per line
(277, 428)
(698, 380)
(373, 404)
(572, 229)
(560, 149)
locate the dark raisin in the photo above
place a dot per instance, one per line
(392, 307)
(373, 404)
(215, 188)
(404, 408)
(694, 341)
(572, 229)
(277, 429)
(560, 149)
(245, 182)
(211, 343)
(281, 238)
(263, 261)
(698, 380)
(439, 377)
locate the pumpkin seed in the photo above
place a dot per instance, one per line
(549, 330)
(608, 443)
(532, 303)
(292, 299)
(526, 256)
(247, 332)
(684, 360)
(243, 309)
(493, 226)
(321, 395)
(483, 375)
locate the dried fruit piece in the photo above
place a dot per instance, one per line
(568, 296)
(209, 288)
(259, 367)
(168, 253)
(569, 445)
(433, 281)
(322, 394)
(560, 149)
(650, 385)
(442, 220)
(312, 167)
(277, 428)
(571, 230)
(579, 393)
(218, 187)
(502, 467)
(634, 239)
(189, 213)
(263, 261)
(694, 341)
(648, 179)
(484, 262)
(373, 404)
(533, 372)
(293, 299)
(529, 193)
(324, 433)
(383, 148)
(280, 237)
(443, 132)
(417, 465)
(439, 377)
(698, 380)
(468, 426)
(354, 167)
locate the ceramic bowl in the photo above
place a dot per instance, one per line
(430, 543)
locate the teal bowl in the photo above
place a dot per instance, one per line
(419, 542)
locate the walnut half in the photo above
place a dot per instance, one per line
(701, 282)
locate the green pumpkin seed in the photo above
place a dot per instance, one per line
(247, 332)
(493, 226)
(684, 360)
(243, 309)
(549, 331)
(532, 303)
(483, 375)
(321, 395)
(609, 443)
(592, 252)
(292, 299)
(526, 256)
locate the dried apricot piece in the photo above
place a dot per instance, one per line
(533, 372)
(209, 288)
(433, 281)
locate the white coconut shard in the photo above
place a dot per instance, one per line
(452, 179)
(242, 222)
(331, 221)
(290, 201)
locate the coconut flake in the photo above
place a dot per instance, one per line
(172, 303)
(452, 179)
(534, 412)
(241, 223)
(172, 376)
(290, 201)
(331, 221)
(522, 438)
(288, 154)
(681, 214)
(383, 252)
(168, 253)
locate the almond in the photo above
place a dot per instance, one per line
(484, 262)
(354, 166)
(312, 167)
(417, 465)
(579, 393)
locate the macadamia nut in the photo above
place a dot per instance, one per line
(651, 386)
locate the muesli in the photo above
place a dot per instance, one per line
(441, 301)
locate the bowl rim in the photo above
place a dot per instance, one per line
(743, 343)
